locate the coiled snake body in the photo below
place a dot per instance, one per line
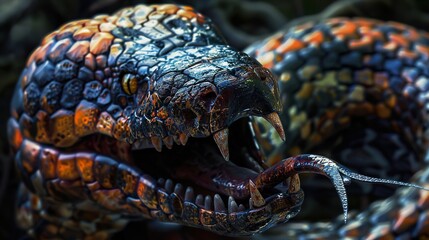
(355, 90)
(100, 98)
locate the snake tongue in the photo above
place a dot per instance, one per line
(274, 119)
(221, 139)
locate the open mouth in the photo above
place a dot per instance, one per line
(219, 194)
(233, 192)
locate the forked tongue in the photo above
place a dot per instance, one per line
(338, 174)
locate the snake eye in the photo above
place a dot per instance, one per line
(129, 83)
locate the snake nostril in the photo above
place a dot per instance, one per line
(190, 118)
(207, 99)
(263, 74)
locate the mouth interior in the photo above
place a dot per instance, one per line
(198, 171)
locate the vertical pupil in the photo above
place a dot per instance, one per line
(132, 84)
(129, 84)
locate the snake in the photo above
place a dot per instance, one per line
(355, 90)
(132, 116)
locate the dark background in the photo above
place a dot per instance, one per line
(23, 23)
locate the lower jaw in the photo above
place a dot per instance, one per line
(200, 166)
(279, 209)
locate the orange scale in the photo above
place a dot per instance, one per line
(382, 80)
(15, 138)
(66, 167)
(189, 14)
(67, 32)
(85, 33)
(290, 45)
(398, 25)
(399, 39)
(39, 55)
(42, 126)
(90, 61)
(48, 163)
(49, 38)
(78, 51)
(390, 46)
(84, 164)
(422, 49)
(365, 22)
(412, 34)
(168, 8)
(315, 38)
(359, 43)
(267, 59)
(407, 217)
(272, 44)
(58, 49)
(200, 18)
(72, 24)
(188, 8)
(348, 29)
(374, 34)
(100, 42)
(146, 193)
(423, 201)
(404, 53)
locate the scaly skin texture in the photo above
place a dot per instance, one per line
(100, 98)
(143, 78)
(355, 90)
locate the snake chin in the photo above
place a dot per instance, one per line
(206, 189)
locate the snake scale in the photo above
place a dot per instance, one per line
(100, 99)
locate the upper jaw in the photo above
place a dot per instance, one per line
(221, 135)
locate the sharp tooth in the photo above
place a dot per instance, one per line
(178, 189)
(208, 202)
(161, 182)
(232, 205)
(169, 186)
(137, 145)
(176, 140)
(157, 143)
(183, 139)
(221, 139)
(189, 194)
(168, 141)
(241, 208)
(219, 206)
(255, 195)
(293, 183)
(199, 200)
(176, 204)
(274, 119)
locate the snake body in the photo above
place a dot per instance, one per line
(355, 89)
(100, 98)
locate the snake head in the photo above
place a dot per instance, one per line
(214, 86)
(243, 91)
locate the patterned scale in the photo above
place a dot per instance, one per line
(355, 90)
(98, 92)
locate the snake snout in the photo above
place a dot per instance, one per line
(254, 93)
